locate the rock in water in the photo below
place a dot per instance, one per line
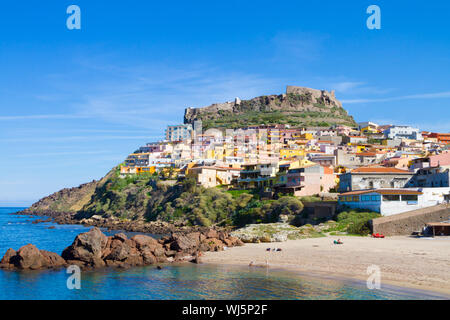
(7, 262)
(53, 260)
(185, 242)
(93, 249)
(31, 258)
(87, 248)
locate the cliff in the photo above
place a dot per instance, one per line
(299, 106)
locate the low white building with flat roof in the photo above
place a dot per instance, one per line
(393, 201)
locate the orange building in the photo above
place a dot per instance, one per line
(441, 137)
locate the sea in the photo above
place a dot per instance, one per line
(173, 281)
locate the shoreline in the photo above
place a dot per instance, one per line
(393, 286)
(306, 257)
(241, 256)
(61, 218)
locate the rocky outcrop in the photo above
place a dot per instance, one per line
(31, 258)
(87, 249)
(299, 105)
(93, 249)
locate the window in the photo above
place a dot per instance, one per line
(410, 197)
(391, 197)
(355, 199)
(375, 198)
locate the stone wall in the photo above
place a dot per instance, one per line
(320, 209)
(411, 221)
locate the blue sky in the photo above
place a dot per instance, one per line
(74, 103)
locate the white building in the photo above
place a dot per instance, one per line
(403, 132)
(366, 124)
(393, 201)
(179, 132)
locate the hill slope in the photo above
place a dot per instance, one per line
(67, 200)
(298, 107)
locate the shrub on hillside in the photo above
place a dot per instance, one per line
(355, 221)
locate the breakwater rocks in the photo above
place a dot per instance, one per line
(93, 249)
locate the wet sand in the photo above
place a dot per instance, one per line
(418, 263)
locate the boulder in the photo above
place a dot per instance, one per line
(160, 255)
(119, 250)
(134, 258)
(53, 260)
(148, 257)
(228, 242)
(143, 241)
(211, 244)
(222, 235)
(183, 242)
(171, 253)
(29, 257)
(211, 233)
(120, 236)
(88, 248)
(7, 261)
(235, 241)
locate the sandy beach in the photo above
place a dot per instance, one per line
(418, 263)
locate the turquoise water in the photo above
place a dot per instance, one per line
(187, 281)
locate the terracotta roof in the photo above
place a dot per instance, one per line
(380, 170)
(438, 224)
(366, 154)
(214, 168)
(382, 191)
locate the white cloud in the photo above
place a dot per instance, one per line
(43, 117)
(346, 86)
(425, 96)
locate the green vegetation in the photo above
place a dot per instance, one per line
(292, 118)
(353, 222)
(310, 199)
(296, 110)
(147, 197)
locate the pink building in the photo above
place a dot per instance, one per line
(309, 180)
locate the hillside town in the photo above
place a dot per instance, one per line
(388, 169)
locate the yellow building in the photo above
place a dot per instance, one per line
(369, 130)
(137, 170)
(287, 153)
(360, 149)
(307, 136)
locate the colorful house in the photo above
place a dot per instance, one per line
(305, 178)
(391, 201)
